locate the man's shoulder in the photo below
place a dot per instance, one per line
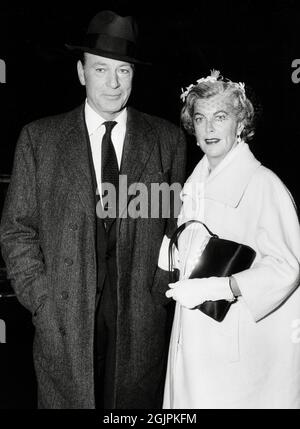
(55, 122)
(155, 121)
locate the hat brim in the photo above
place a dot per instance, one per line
(115, 56)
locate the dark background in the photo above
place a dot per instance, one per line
(249, 41)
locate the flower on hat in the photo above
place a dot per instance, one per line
(213, 77)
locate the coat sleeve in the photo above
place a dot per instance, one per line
(177, 175)
(275, 273)
(19, 230)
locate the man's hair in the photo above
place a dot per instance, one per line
(81, 57)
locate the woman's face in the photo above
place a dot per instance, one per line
(216, 127)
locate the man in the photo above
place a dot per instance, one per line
(92, 282)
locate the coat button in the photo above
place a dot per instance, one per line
(68, 262)
(64, 295)
(62, 331)
(73, 226)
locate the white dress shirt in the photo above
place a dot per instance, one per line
(96, 130)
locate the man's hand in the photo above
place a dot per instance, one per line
(192, 292)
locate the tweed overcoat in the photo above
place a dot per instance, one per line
(48, 242)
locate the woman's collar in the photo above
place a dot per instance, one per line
(227, 182)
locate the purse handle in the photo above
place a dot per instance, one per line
(174, 239)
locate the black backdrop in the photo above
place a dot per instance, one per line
(250, 41)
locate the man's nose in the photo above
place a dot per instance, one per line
(113, 80)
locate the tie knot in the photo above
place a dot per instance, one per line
(109, 125)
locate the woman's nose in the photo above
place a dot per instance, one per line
(210, 126)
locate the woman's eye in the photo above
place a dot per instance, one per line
(220, 118)
(198, 119)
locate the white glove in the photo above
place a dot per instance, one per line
(193, 292)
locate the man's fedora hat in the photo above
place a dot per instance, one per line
(112, 36)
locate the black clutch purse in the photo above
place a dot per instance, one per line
(220, 258)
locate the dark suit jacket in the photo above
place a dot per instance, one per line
(48, 242)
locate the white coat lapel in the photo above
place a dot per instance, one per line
(229, 180)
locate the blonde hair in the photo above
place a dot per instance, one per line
(215, 85)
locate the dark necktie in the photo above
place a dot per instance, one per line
(110, 168)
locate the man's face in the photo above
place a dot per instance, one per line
(108, 83)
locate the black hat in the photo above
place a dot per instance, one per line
(112, 36)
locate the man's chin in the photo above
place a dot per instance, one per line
(113, 107)
(109, 110)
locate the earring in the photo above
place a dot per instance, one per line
(238, 138)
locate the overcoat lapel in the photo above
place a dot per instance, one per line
(138, 145)
(76, 160)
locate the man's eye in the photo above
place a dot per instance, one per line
(124, 71)
(100, 70)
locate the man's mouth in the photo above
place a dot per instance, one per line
(112, 96)
(211, 141)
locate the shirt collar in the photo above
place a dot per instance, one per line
(94, 120)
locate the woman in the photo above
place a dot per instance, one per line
(252, 358)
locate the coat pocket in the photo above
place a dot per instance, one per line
(227, 335)
(37, 311)
(48, 341)
(38, 294)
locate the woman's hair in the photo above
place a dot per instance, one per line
(215, 85)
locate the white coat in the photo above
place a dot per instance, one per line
(252, 358)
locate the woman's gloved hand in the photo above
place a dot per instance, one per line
(192, 292)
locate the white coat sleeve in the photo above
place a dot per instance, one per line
(163, 259)
(275, 273)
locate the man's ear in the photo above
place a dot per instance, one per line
(80, 72)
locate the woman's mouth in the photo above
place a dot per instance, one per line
(211, 141)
